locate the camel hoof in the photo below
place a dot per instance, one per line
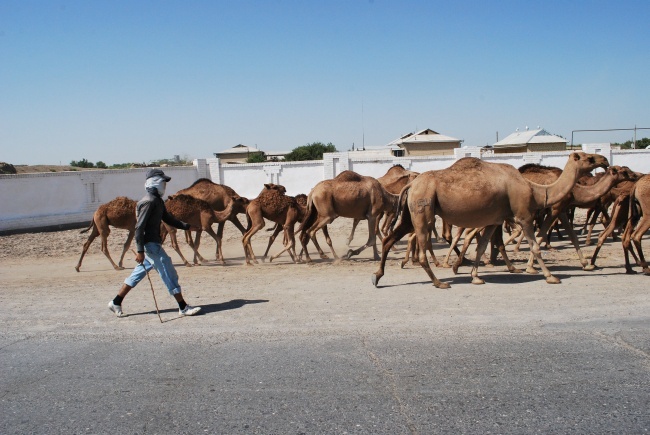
(324, 257)
(77, 268)
(455, 270)
(552, 280)
(446, 265)
(532, 270)
(587, 242)
(401, 264)
(631, 271)
(349, 254)
(442, 285)
(515, 270)
(375, 279)
(589, 267)
(478, 281)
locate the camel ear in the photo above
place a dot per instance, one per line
(268, 186)
(575, 156)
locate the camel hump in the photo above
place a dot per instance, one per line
(531, 168)
(202, 181)
(349, 176)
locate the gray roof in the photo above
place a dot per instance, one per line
(426, 135)
(519, 138)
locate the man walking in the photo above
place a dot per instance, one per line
(150, 211)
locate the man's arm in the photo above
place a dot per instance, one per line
(144, 211)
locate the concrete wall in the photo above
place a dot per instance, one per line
(58, 200)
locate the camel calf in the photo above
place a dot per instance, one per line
(199, 215)
(119, 213)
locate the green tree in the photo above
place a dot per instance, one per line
(101, 165)
(640, 144)
(258, 157)
(312, 151)
(83, 163)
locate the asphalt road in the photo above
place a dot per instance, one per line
(290, 349)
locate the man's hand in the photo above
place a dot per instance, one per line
(139, 257)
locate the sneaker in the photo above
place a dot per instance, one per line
(117, 309)
(189, 311)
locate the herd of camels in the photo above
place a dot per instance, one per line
(478, 197)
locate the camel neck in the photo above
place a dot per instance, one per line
(546, 195)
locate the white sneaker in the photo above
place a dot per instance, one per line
(189, 311)
(117, 309)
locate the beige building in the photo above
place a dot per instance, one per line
(538, 140)
(237, 154)
(425, 143)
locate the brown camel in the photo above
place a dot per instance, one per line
(273, 204)
(579, 196)
(472, 193)
(619, 215)
(200, 215)
(348, 195)
(119, 213)
(218, 196)
(637, 225)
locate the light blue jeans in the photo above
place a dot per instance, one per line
(156, 257)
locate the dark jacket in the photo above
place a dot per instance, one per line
(150, 211)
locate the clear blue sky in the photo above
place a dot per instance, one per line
(133, 81)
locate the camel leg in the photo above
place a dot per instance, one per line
(497, 240)
(641, 228)
(355, 222)
(535, 249)
(470, 233)
(403, 227)
(423, 234)
(310, 234)
(564, 220)
(608, 230)
(127, 244)
(93, 235)
(246, 241)
(454, 242)
(410, 250)
(372, 240)
(276, 231)
(174, 242)
(195, 245)
(483, 240)
(104, 237)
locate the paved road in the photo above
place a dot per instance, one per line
(285, 348)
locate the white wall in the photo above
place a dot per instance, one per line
(36, 201)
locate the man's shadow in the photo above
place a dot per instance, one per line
(230, 305)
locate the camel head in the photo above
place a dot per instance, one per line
(301, 199)
(589, 162)
(270, 186)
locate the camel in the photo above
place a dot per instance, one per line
(272, 203)
(218, 196)
(393, 181)
(473, 193)
(348, 195)
(619, 215)
(119, 213)
(637, 225)
(200, 215)
(578, 196)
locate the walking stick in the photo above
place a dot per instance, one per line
(152, 292)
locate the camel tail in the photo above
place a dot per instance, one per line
(634, 213)
(402, 202)
(92, 222)
(310, 216)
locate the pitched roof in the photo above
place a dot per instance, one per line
(426, 135)
(526, 137)
(239, 149)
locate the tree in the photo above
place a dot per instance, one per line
(640, 144)
(312, 151)
(83, 163)
(258, 157)
(101, 165)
